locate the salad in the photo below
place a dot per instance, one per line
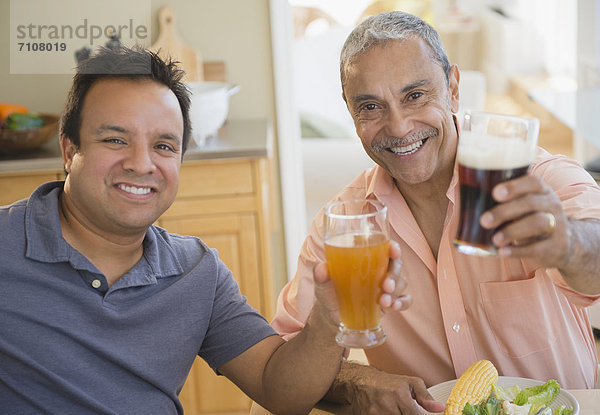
(534, 400)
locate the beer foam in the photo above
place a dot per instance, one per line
(488, 152)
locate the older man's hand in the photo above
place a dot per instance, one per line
(531, 220)
(393, 296)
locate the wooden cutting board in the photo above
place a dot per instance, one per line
(169, 44)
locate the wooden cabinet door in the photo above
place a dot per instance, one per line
(15, 187)
(235, 237)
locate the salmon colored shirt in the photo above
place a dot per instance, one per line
(523, 318)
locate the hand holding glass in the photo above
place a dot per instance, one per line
(357, 250)
(492, 148)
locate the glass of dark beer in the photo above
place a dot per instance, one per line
(492, 148)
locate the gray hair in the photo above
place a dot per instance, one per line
(383, 27)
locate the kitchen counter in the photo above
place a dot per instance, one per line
(577, 109)
(237, 138)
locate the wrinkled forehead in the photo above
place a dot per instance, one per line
(412, 52)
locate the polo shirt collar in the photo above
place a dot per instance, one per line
(45, 242)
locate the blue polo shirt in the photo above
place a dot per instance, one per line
(69, 344)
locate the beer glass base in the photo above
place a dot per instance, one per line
(469, 249)
(360, 339)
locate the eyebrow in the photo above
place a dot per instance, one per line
(414, 85)
(109, 127)
(171, 137)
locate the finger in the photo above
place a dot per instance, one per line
(394, 283)
(321, 273)
(409, 399)
(325, 291)
(525, 231)
(397, 304)
(517, 208)
(402, 303)
(424, 398)
(431, 405)
(540, 249)
(395, 250)
(396, 300)
(512, 189)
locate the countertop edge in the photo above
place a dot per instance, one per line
(243, 138)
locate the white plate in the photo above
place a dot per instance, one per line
(441, 391)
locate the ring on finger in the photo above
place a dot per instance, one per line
(551, 224)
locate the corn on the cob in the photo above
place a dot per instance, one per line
(473, 386)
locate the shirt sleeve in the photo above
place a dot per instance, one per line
(297, 298)
(576, 188)
(580, 197)
(234, 325)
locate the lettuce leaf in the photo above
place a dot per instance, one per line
(489, 407)
(538, 396)
(505, 394)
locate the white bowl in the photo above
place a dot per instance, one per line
(209, 108)
(441, 391)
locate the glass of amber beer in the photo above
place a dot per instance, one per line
(492, 148)
(357, 250)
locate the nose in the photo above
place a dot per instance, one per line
(398, 122)
(139, 160)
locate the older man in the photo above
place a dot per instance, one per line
(524, 309)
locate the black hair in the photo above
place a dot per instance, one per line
(123, 63)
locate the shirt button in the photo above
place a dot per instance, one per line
(456, 327)
(96, 283)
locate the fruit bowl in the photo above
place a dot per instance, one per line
(26, 140)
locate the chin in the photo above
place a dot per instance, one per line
(411, 178)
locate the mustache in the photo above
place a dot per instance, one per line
(387, 142)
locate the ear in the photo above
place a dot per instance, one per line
(453, 94)
(68, 151)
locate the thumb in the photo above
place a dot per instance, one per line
(428, 403)
(324, 289)
(321, 273)
(432, 406)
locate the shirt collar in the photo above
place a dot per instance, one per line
(452, 189)
(46, 244)
(42, 225)
(382, 184)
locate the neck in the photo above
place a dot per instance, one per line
(429, 192)
(112, 254)
(428, 204)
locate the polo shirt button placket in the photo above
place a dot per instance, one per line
(96, 283)
(456, 327)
